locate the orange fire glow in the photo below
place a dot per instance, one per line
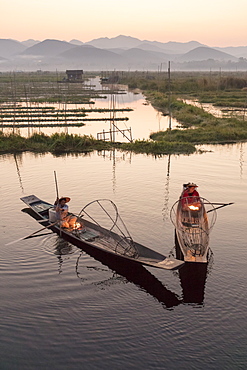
(193, 208)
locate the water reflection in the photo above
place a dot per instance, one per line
(165, 210)
(241, 159)
(193, 277)
(62, 248)
(115, 156)
(134, 273)
(16, 158)
(193, 281)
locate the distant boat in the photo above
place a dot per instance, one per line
(89, 235)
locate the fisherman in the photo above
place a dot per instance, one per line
(191, 198)
(62, 209)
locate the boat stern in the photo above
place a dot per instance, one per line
(170, 263)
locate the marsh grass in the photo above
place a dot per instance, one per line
(159, 147)
(54, 143)
(218, 88)
(202, 127)
(198, 126)
(69, 143)
(228, 133)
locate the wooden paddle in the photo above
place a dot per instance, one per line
(30, 235)
(55, 176)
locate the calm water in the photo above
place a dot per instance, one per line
(61, 308)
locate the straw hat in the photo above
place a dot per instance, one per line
(67, 199)
(192, 184)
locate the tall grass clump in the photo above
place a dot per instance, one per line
(75, 143)
(12, 143)
(69, 143)
(203, 135)
(158, 147)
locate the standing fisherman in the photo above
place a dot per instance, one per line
(190, 197)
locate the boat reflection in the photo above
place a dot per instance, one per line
(62, 249)
(137, 274)
(193, 278)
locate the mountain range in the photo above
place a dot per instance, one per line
(117, 53)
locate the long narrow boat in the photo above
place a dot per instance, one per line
(192, 228)
(87, 234)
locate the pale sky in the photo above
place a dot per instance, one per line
(211, 22)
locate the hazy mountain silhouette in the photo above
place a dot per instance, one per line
(30, 42)
(177, 47)
(151, 47)
(204, 53)
(121, 52)
(144, 57)
(76, 42)
(123, 42)
(48, 48)
(128, 42)
(237, 51)
(89, 55)
(9, 48)
(116, 50)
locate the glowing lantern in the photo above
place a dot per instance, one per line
(193, 208)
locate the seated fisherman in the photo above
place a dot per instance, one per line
(190, 198)
(61, 208)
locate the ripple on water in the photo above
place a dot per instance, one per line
(53, 244)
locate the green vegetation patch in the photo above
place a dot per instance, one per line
(69, 143)
(210, 135)
(196, 125)
(159, 147)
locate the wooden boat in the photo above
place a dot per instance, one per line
(87, 234)
(192, 228)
